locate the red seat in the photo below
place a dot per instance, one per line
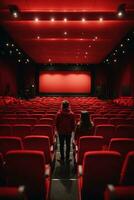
(40, 143)
(27, 168)
(2, 175)
(21, 130)
(126, 131)
(46, 130)
(99, 169)
(127, 173)
(12, 193)
(119, 193)
(100, 120)
(107, 131)
(10, 143)
(122, 145)
(5, 130)
(117, 121)
(88, 143)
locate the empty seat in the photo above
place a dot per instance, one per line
(126, 131)
(99, 169)
(100, 120)
(21, 130)
(122, 145)
(40, 143)
(127, 173)
(117, 121)
(107, 131)
(119, 193)
(2, 175)
(27, 168)
(5, 130)
(46, 130)
(10, 143)
(88, 143)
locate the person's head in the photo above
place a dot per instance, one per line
(65, 105)
(85, 116)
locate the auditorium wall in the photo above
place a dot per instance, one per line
(8, 78)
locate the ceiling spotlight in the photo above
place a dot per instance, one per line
(52, 19)
(83, 19)
(49, 60)
(86, 53)
(19, 60)
(115, 60)
(14, 11)
(101, 19)
(10, 52)
(128, 39)
(121, 45)
(65, 19)
(27, 60)
(12, 45)
(65, 33)
(121, 10)
(89, 46)
(7, 44)
(123, 52)
(36, 19)
(38, 37)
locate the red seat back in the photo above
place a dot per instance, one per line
(26, 168)
(127, 174)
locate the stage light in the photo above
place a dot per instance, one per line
(65, 33)
(83, 19)
(121, 10)
(101, 19)
(65, 19)
(52, 19)
(36, 19)
(14, 11)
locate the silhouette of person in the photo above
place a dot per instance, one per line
(65, 125)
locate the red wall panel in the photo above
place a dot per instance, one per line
(64, 82)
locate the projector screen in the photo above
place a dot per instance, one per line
(64, 82)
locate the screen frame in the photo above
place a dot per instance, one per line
(66, 93)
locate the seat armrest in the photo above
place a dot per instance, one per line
(51, 148)
(47, 170)
(80, 170)
(76, 148)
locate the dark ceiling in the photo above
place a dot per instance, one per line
(82, 31)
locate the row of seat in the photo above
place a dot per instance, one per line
(96, 143)
(28, 168)
(100, 168)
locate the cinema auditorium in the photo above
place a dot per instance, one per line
(62, 61)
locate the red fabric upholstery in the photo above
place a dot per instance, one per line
(10, 143)
(2, 176)
(88, 143)
(46, 130)
(5, 130)
(99, 169)
(100, 120)
(40, 143)
(27, 168)
(21, 130)
(122, 145)
(107, 131)
(127, 173)
(126, 131)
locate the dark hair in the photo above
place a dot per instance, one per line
(65, 104)
(85, 120)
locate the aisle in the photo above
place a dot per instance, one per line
(64, 183)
